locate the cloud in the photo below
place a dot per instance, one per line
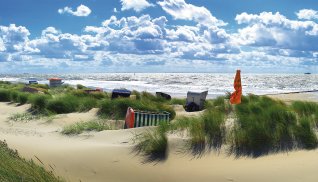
(307, 14)
(179, 9)
(132, 35)
(13, 38)
(81, 10)
(55, 44)
(277, 31)
(2, 47)
(136, 5)
(136, 42)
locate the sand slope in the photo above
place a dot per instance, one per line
(107, 156)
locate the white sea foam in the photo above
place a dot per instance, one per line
(178, 84)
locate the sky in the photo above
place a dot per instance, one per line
(83, 36)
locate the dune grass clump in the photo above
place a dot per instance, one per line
(305, 108)
(14, 96)
(79, 93)
(221, 104)
(39, 102)
(137, 94)
(23, 98)
(24, 117)
(305, 135)
(151, 97)
(15, 168)
(117, 108)
(153, 144)
(80, 86)
(86, 104)
(265, 125)
(206, 132)
(43, 86)
(80, 127)
(4, 95)
(63, 104)
(214, 128)
(99, 95)
(177, 101)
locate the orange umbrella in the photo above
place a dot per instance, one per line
(236, 95)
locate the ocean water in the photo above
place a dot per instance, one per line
(177, 84)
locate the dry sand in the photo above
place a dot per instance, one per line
(107, 155)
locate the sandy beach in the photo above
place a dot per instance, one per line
(108, 156)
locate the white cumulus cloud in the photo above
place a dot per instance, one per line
(275, 30)
(137, 5)
(13, 37)
(307, 14)
(179, 9)
(2, 47)
(81, 10)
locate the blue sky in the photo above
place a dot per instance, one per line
(51, 36)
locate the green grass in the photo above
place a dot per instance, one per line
(86, 104)
(14, 168)
(22, 98)
(80, 127)
(14, 96)
(69, 103)
(79, 86)
(39, 101)
(4, 95)
(66, 99)
(305, 108)
(177, 101)
(265, 125)
(63, 104)
(305, 134)
(261, 125)
(24, 117)
(206, 132)
(153, 144)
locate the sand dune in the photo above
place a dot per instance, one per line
(107, 155)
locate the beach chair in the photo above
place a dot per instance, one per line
(195, 101)
(120, 93)
(136, 118)
(164, 95)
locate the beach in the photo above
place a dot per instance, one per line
(108, 155)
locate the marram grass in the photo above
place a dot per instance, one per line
(153, 144)
(14, 168)
(261, 125)
(80, 127)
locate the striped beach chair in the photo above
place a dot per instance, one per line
(136, 118)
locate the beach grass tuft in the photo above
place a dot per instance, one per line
(24, 117)
(14, 96)
(22, 98)
(265, 125)
(15, 168)
(39, 102)
(305, 108)
(80, 127)
(305, 135)
(63, 104)
(4, 95)
(153, 144)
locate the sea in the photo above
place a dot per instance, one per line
(178, 84)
